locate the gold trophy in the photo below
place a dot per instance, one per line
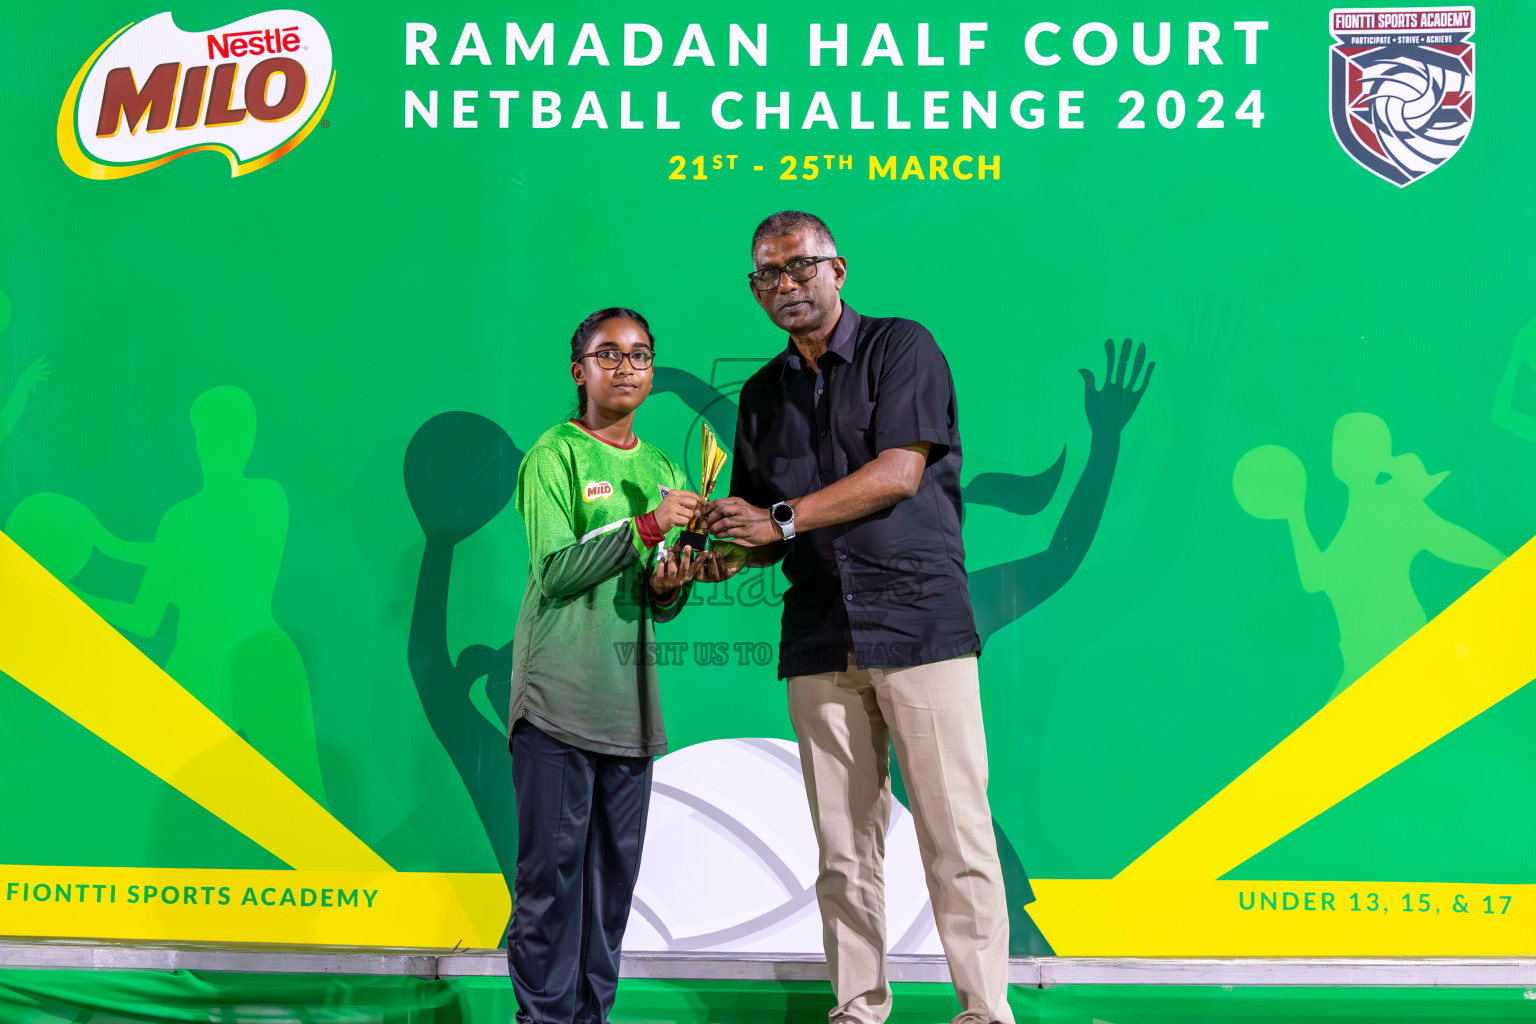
(711, 460)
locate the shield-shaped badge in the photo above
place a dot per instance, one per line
(1400, 87)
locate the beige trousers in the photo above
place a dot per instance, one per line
(845, 722)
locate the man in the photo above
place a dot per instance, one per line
(847, 467)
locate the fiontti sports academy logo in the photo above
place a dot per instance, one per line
(252, 90)
(1400, 87)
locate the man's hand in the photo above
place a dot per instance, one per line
(736, 520)
(673, 569)
(676, 509)
(721, 562)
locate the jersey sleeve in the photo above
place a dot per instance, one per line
(561, 563)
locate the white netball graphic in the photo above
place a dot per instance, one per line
(730, 858)
(1407, 100)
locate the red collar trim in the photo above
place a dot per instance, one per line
(611, 444)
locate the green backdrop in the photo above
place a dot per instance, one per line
(327, 307)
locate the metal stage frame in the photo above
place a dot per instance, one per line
(1037, 972)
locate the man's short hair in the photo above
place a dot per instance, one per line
(787, 222)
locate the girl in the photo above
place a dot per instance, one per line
(585, 714)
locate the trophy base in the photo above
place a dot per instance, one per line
(697, 541)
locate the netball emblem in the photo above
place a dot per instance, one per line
(1400, 89)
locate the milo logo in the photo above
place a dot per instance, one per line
(252, 90)
(597, 490)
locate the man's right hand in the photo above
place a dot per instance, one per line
(676, 509)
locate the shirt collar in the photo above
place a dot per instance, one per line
(841, 344)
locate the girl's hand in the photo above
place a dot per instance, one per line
(676, 509)
(673, 569)
(720, 563)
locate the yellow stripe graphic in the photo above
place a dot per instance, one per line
(61, 650)
(342, 908)
(1181, 917)
(1468, 658)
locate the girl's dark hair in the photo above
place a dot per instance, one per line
(584, 333)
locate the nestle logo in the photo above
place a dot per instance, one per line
(253, 42)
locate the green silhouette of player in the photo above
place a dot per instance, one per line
(215, 557)
(25, 385)
(1002, 593)
(1364, 570)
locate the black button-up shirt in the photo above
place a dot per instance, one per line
(894, 581)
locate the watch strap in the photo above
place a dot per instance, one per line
(785, 528)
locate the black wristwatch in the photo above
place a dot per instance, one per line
(784, 515)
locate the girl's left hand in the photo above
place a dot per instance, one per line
(673, 569)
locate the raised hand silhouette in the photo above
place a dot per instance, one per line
(1110, 407)
(1002, 593)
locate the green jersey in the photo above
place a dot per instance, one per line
(584, 662)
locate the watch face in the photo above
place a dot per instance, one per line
(783, 513)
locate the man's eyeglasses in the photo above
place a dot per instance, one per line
(612, 358)
(803, 269)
